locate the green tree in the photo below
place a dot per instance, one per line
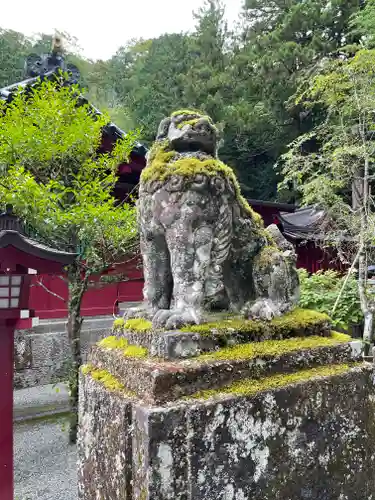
(14, 48)
(51, 174)
(334, 164)
(147, 77)
(363, 24)
(278, 43)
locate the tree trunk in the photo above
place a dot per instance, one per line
(362, 274)
(366, 310)
(77, 287)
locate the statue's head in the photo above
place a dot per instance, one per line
(188, 130)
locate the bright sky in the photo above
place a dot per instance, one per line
(103, 26)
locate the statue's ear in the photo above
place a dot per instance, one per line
(163, 129)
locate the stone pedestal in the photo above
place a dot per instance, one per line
(290, 419)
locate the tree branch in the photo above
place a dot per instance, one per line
(40, 283)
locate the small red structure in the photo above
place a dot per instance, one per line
(20, 257)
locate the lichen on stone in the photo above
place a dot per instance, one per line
(252, 386)
(274, 348)
(120, 343)
(296, 320)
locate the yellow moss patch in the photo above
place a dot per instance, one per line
(296, 320)
(273, 348)
(135, 351)
(138, 325)
(113, 342)
(122, 344)
(186, 112)
(192, 122)
(105, 378)
(341, 337)
(85, 369)
(253, 386)
(300, 318)
(118, 324)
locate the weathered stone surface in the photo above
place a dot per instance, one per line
(160, 454)
(202, 245)
(307, 441)
(158, 382)
(104, 443)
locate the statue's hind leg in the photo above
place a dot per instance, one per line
(276, 284)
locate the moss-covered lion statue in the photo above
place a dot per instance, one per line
(202, 246)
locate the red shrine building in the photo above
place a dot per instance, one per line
(102, 299)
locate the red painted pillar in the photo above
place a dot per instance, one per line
(6, 408)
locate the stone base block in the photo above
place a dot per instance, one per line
(308, 440)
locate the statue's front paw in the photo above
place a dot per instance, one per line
(264, 309)
(176, 318)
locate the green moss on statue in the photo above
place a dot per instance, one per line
(187, 112)
(160, 168)
(138, 325)
(265, 258)
(296, 320)
(192, 122)
(252, 386)
(274, 348)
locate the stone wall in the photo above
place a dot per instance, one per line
(41, 354)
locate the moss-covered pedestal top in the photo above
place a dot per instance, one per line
(220, 330)
(225, 355)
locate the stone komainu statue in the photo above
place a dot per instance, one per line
(203, 247)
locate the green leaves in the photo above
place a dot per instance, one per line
(324, 164)
(56, 181)
(319, 292)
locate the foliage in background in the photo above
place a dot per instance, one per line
(319, 292)
(333, 165)
(57, 183)
(243, 78)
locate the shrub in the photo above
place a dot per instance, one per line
(319, 292)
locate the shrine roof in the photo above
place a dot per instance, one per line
(32, 247)
(303, 223)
